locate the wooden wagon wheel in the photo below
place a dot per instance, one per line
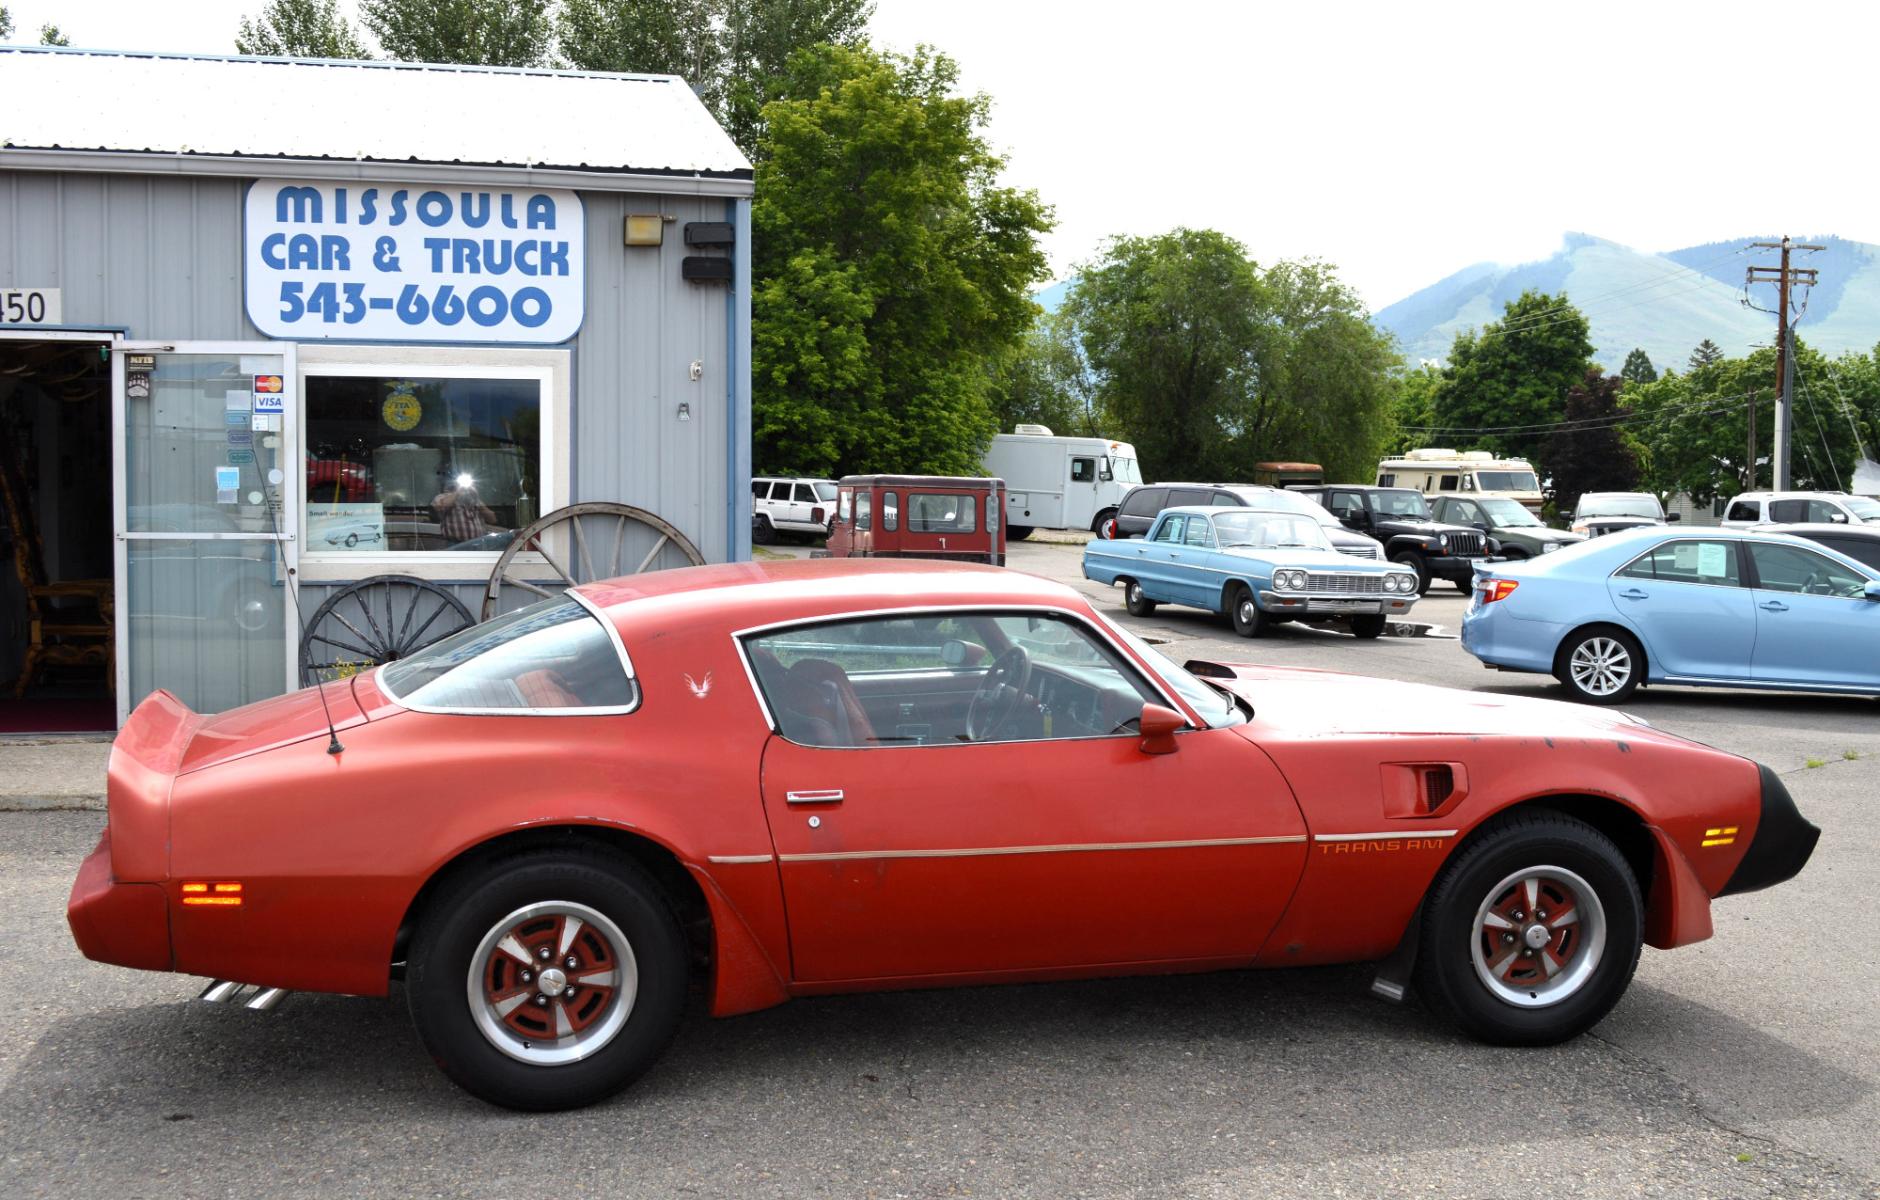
(580, 544)
(374, 621)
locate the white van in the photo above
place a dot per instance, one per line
(1057, 482)
(1437, 471)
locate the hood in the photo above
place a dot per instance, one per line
(268, 724)
(1412, 525)
(1609, 524)
(1328, 560)
(1562, 536)
(1306, 703)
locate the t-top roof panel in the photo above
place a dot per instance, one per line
(310, 109)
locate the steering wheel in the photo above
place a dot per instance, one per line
(998, 694)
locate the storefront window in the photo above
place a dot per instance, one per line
(402, 463)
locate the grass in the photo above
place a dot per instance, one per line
(1850, 755)
(1812, 763)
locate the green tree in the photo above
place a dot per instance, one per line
(890, 267)
(1045, 380)
(1707, 354)
(1695, 427)
(6, 22)
(300, 29)
(1413, 406)
(51, 35)
(1594, 453)
(734, 53)
(1638, 368)
(496, 33)
(1506, 386)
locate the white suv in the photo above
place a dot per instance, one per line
(788, 505)
(1801, 508)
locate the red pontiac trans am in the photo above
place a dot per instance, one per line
(787, 779)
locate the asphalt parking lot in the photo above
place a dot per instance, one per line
(1744, 1066)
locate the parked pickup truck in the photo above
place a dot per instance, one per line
(1257, 568)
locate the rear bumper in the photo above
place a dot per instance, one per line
(1783, 843)
(126, 924)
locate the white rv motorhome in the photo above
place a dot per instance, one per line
(1442, 472)
(1057, 482)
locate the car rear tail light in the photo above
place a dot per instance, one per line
(225, 893)
(1497, 589)
(1438, 783)
(816, 515)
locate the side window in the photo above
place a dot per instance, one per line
(864, 505)
(1824, 513)
(1788, 512)
(890, 511)
(1083, 470)
(802, 493)
(1198, 533)
(870, 682)
(1180, 496)
(1346, 505)
(1387, 480)
(1860, 549)
(760, 489)
(1171, 529)
(1144, 502)
(1743, 510)
(844, 499)
(555, 655)
(1462, 512)
(1710, 563)
(1446, 484)
(1791, 569)
(939, 512)
(1225, 500)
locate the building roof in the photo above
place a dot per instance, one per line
(108, 110)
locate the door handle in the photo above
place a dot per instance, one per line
(1175, 557)
(816, 796)
(1774, 606)
(1633, 594)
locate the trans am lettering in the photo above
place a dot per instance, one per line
(1372, 845)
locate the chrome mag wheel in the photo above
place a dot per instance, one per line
(552, 983)
(1600, 666)
(1538, 936)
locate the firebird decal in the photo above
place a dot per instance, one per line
(700, 690)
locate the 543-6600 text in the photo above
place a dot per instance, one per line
(348, 304)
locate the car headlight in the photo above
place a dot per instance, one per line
(1549, 547)
(1443, 541)
(1287, 581)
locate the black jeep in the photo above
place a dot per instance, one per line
(1400, 518)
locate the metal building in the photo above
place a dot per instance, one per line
(272, 326)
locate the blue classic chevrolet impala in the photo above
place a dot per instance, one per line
(1259, 568)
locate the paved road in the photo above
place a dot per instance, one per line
(1745, 1066)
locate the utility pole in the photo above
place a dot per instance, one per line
(1784, 277)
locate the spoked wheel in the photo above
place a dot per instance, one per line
(375, 621)
(580, 544)
(1600, 666)
(1531, 934)
(548, 980)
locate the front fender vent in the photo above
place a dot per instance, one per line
(1438, 783)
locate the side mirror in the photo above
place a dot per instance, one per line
(1673, 518)
(1872, 591)
(1839, 518)
(1159, 726)
(1481, 526)
(953, 652)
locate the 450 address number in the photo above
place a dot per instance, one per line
(348, 304)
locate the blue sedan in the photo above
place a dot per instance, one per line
(1260, 568)
(1711, 608)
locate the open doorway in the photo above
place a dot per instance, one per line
(57, 612)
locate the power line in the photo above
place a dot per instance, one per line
(1699, 407)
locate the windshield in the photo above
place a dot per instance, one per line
(1125, 470)
(1269, 530)
(825, 491)
(1216, 708)
(1506, 481)
(1619, 506)
(1862, 507)
(1508, 512)
(1401, 502)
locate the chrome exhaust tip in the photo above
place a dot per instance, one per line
(265, 999)
(220, 991)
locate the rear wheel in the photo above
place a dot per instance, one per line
(1105, 524)
(548, 981)
(1017, 533)
(762, 531)
(1368, 627)
(1249, 621)
(1602, 665)
(1138, 604)
(1531, 935)
(1465, 586)
(1413, 560)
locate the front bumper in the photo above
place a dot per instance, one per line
(127, 924)
(1307, 604)
(1455, 566)
(1783, 843)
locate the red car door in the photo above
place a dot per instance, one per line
(1020, 856)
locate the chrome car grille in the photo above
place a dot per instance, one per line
(1465, 543)
(1360, 585)
(1362, 551)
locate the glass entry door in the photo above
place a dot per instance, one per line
(206, 433)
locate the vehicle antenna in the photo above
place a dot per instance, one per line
(274, 480)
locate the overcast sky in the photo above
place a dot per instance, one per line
(1399, 141)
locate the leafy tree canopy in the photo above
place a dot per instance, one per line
(1638, 368)
(51, 35)
(1413, 406)
(496, 33)
(734, 53)
(1506, 386)
(300, 29)
(6, 22)
(1594, 453)
(890, 267)
(1706, 354)
(1045, 380)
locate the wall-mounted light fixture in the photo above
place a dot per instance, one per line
(685, 412)
(645, 229)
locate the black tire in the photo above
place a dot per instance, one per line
(467, 911)
(1465, 585)
(1017, 533)
(1138, 604)
(1551, 847)
(1577, 665)
(1103, 518)
(1368, 627)
(1415, 561)
(1244, 610)
(762, 531)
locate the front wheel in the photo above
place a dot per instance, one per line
(1017, 533)
(1531, 935)
(548, 981)
(1105, 524)
(1600, 666)
(1368, 627)
(1138, 604)
(1413, 560)
(1249, 621)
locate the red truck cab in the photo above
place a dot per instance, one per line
(919, 516)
